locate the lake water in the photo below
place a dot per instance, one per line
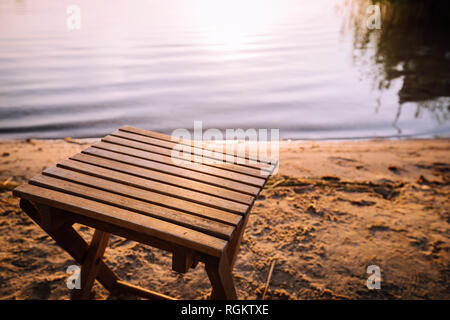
(309, 68)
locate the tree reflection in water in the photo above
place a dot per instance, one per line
(412, 44)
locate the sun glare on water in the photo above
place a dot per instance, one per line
(230, 25)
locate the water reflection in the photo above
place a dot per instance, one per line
(412, 45)
(255, 64)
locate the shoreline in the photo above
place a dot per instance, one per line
(334, 208)
(418, 137)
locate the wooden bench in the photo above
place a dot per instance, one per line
(128, 185)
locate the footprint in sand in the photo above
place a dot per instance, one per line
(343, 162)
(358, 203)
(379, 228)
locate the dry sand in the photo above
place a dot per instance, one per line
(334, 209)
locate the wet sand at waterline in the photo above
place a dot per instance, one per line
(333, 209)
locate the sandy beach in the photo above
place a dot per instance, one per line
(333, 209)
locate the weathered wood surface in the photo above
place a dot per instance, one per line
(129, 179)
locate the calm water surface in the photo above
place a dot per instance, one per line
(310, 68)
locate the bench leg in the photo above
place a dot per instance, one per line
(94, 268)
(67, 238)
(227, 262)
(181, 260)
(233, 246)
(219, 273)
(91, 265)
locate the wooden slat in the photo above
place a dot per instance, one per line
(190, 198)
(233, 171)
(130, 190)
(120, 200)
(137, 222)
(203, 150)
(232, 180)
(165, 137)
(158, 172)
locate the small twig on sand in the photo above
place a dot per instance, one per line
(268, 279)
(8, 184)
(276, 183)
(70, 140)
